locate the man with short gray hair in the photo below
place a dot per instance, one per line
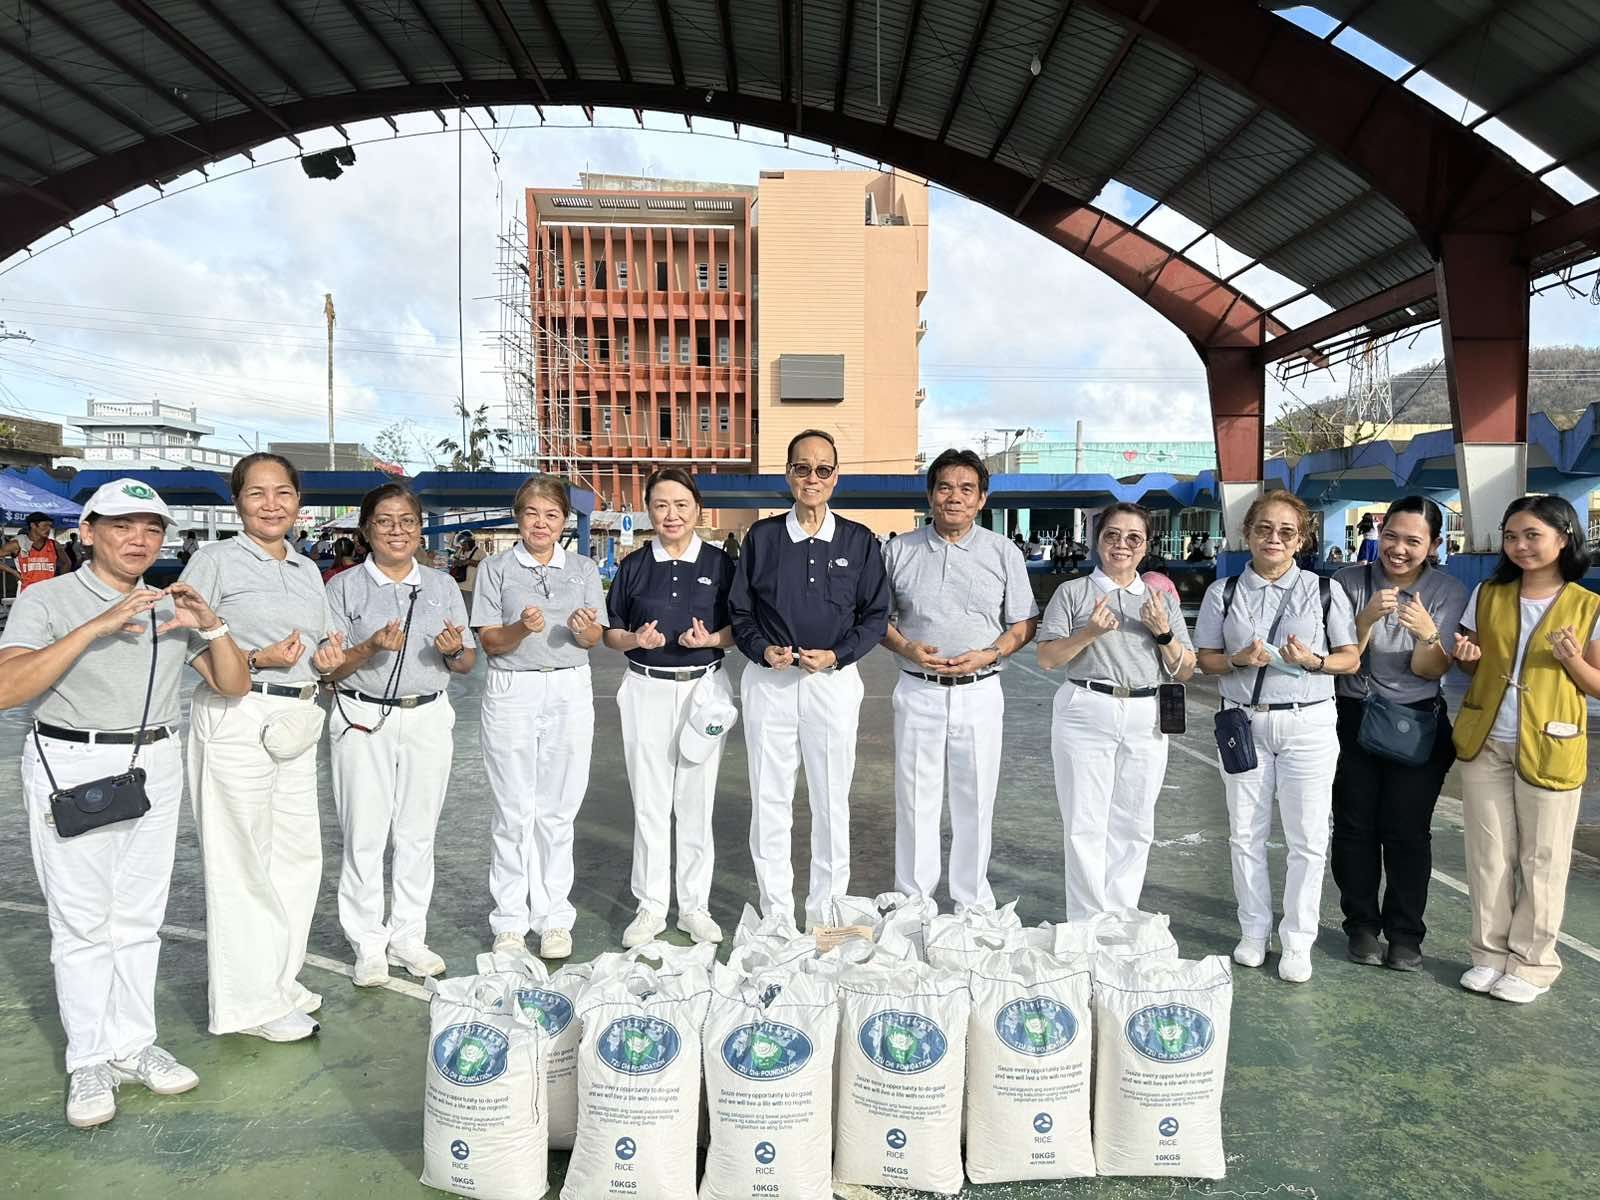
(962, 605)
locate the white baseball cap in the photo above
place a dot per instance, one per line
(711, 715)
(123, 497)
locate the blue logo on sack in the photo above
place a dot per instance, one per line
(902, 1042)
(552, 1010)
(626, 1148)
(459, 1150)
(1043, 1123)
(1036, 1026)
(1170, 1033)
(638, 1045)
(766, 1152)
(766, 1050)
(896, 1139)
(1167, 1127)
(471, 1054)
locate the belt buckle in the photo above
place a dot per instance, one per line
(1260, 708)
(1121, 693)
(409, 701)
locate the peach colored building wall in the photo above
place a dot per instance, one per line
(830, 282)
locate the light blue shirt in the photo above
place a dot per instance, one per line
(1256, 605)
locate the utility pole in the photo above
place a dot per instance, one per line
(327, 311)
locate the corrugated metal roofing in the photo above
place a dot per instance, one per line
(90, 90)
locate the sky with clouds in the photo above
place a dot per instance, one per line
(213, 295)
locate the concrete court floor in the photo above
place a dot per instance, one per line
(1363, 1083)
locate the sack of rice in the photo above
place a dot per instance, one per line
(483, 1110)
(1161, 1061)
(1029, 1047)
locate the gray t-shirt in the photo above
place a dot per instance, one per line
(957, 596)
(1126, 656)
(1255, 607)
(103, 690)
(1386, 666)
(263, 600)
(364, 600)
(513, 579)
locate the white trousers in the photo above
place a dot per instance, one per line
(663, 785)
(938, 732)
(261, 846)
(106, 892)
(792, 717)
(389, 784)
(1296, 753)
(537, 735)
(1110, 759)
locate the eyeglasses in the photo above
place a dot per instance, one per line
(806, 471)
(1286, 533)
(390, 524)
(1114, 537)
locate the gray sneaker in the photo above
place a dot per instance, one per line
(92, 1096)
(157, 1070)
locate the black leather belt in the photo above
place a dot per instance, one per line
(953, 680)
(677, 675)
(61, 733)
(300, 691)
(1292, 704)
(1111, 689)
(392, 701)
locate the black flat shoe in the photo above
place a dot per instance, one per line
(1403, 958)
(1364, 949)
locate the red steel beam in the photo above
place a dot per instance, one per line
(1580, 223)
(1353, 316)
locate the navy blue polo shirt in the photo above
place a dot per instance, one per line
(650, 586)
(827, 592)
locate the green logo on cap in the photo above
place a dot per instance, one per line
(138, 491)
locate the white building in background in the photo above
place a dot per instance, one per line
(151, 435)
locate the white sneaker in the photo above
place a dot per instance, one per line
(1481, 979)
(310, 1002)
(1250, 952)
(417, 959)
(510, 943)
(700, 926)
(555, 943)
(1294, 966)
(1516, 989)
(643, 928)
(92, 1096)
(157, 1070)
(291, 1027)
(371, 972)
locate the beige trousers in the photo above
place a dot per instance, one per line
(1515, 829)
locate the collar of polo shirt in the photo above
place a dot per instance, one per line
(558, 557)
(796, 534)
(291, 556)
(98, 586)
(414, 579)
(1106, 584)
(659, 552)
(935, 540)
(1285, 581)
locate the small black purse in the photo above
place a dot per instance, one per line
(1236, 741)
(100, 802)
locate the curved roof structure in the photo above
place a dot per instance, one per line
(1292, 152)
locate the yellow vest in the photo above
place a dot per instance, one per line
(1557, 761)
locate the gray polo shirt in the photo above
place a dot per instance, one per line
(1386, 665)
(513, 579)
(364, 600)
(263, 600)
(1255, 607)
(958, 596)
(104, 689)
(1128, 655)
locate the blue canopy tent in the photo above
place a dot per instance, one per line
(19, 498)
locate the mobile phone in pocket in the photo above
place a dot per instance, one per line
(1169, 700)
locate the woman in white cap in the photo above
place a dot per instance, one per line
(669, 614)
(253, 760)
(391, 731)
(99, 656)
(538, 611)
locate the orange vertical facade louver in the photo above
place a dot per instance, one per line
(642, 314)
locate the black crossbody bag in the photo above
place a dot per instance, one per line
(101, 802)
(1393, 730)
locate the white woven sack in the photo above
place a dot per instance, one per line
(1161, 1059)
(1029, 1048)
(769, 1049)
(483, 1109)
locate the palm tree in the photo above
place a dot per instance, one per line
(482, 441)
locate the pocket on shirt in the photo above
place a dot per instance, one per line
(986, 595)
(842, 584)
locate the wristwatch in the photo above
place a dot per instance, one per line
(457, 653)
(1432, 639)
(212, 634)
(250, 661)
(1163, 639)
